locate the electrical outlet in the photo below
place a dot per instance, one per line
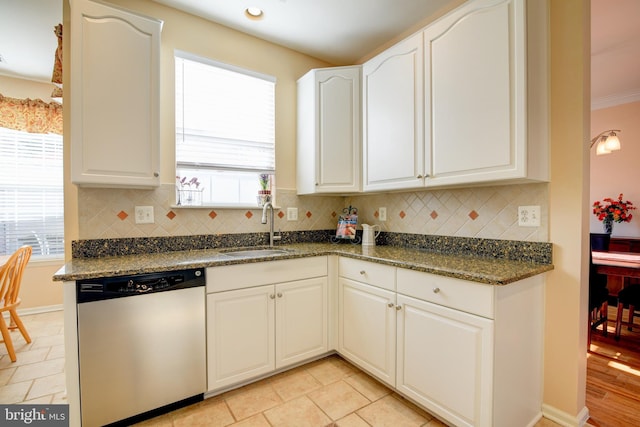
(382, 214)
(529, 216)
(292, 214)
(144, 215)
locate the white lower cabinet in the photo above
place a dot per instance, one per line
(240, 335)
(253, 331)
(467, 352)
(367, 328)
(444, 361)
(301, 320)
(471, 353)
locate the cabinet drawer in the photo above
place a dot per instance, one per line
(382, 276)
(475, 298)
(230, 277)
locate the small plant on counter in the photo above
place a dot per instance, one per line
(189, 191)
(183, 183)
(264, 179)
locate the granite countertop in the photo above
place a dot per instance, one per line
(493, 271)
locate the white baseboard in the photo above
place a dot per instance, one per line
(565, 419)
(40, 309)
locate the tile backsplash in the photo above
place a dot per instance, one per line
(482, 212)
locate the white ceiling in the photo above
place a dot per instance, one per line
(615, 52)
(337, 31)
(27, 40)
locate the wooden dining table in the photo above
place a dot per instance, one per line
(617, 266)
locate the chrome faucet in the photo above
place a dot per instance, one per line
(266, 206)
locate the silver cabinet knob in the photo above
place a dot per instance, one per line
(390, 305)
(272, 296)
(419, 176)
(279, 294)
(398, 307)
(436, 290)
(362, 272)
(156, 174)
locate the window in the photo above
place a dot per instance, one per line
(31, 192)
(225, 132)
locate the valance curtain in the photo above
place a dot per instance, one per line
(30, 115)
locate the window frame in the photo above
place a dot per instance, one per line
(195, 166)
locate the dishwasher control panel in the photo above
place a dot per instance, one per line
(125, 286)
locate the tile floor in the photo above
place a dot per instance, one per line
(327, 392)
(38, 375)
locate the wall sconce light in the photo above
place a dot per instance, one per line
(606, 142)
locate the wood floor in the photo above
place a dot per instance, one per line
(613, 376)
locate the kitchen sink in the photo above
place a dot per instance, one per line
(251, 252)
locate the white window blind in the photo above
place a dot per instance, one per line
(31, 192)
(225, 127)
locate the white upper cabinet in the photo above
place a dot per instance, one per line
(392, 102)
(463, 102)
(115, 109)
(476, 92)
(328, 135)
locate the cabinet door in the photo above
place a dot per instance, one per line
(445, 361)
(475, 93)
(301, 320)
(114, 98)
(240, 335)
(367, 328)
(393, 141)
(329, 131)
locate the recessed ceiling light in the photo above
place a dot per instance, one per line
(253, 13)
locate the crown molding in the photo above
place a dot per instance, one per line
(613, 100)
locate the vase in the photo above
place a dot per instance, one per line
(608, 225)
(264, 196)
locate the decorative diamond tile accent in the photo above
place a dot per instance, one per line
(434, 214)
(122, 215)
(213, 214)
(248, 214)
(171, 215)
(376, 214)
(280, 214)
(402, 214)
(308, 214)
(473, 215)
(334, 214)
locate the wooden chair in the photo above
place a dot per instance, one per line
(628, 296)
(10, 279)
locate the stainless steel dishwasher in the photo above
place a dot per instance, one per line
(141, 344)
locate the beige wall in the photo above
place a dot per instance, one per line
(195, 35)
(618, 172)
(566, 290)
(21, 88)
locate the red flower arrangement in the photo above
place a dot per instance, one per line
(614, 210)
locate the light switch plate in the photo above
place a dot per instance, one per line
(382, 214)
(144, 215)
(529, 216)
(292, 214)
